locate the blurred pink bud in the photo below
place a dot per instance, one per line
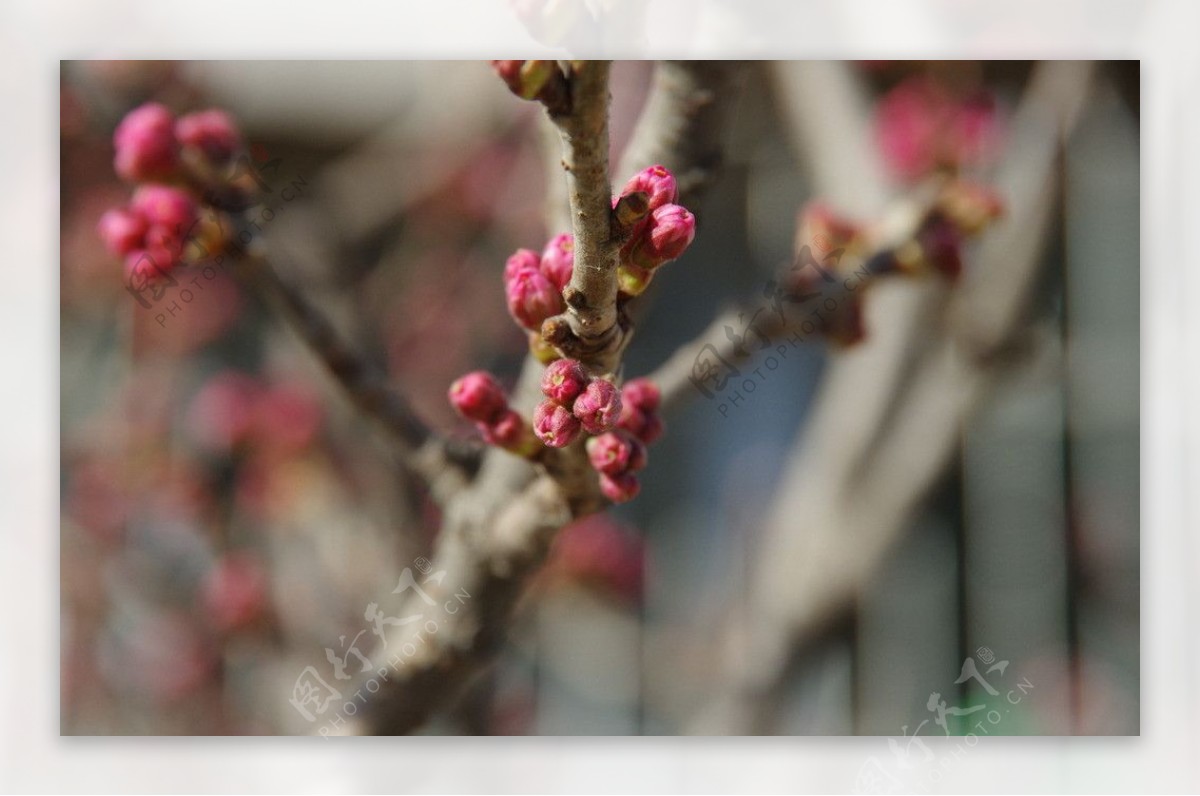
(598, 551)
(478, 396)
(532, 299)
(558, 259)
(509, 431)
(555, 425)
(616, 452)
(526, 79)
(521, 260)
(223, 412)
(646, 426)
(620, 488)
(121, 230)
(598, 406)
(213, 132)
(234, 592)
(145, 144)
(564, 380)
(657, 183)
(920, 127)
(147, 268)
(163, 206)
(642, 394)
(289, 416)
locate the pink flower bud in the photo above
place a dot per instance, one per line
(558, 259)
(620, 488)
(510, 432)
(670, 231)
(121, 230)
(166, 207)
(616, 452)
(212, 132)
(145, 144)
(532, 299)
(526, 79)
(646, 426)
(521, 260)
(642, 394)
(555, 425)
(564, 380)
(921, 126)
(657, 183)
(149, 268)
(478, 396)
(598, 407)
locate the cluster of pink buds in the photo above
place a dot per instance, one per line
(619, 454)
(575, 403)
(477, 396)
(177, 164)
(661, 236)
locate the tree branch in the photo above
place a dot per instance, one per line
(591, 295)
(496, 532)
(439, 464)
(888, 419)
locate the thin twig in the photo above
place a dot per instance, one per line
(427, 455)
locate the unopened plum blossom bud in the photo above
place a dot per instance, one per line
(620, 488)
(521, 260)
(121, 230)
(616, 452)
(598, 406)
(558, 259)
(532, 299)
(145, 143)
(478, 396)
(645, 425)
(212, 132)
(564, 380)
(641, 394)
(555, 425)
(162, 206)
(669, 233)
(657, 183)
(509, 431)
(526, 79)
